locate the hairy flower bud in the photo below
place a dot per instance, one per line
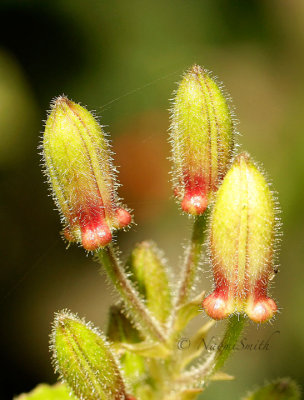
(150, 275)
(85, 360)
(78, 163)
(242, 240)
(202, 137)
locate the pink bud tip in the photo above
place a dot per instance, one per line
(194, 203)
(261, 310)
(124, 218)
(94, 237)
(217, 305)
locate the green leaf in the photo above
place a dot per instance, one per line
(196, 344)
(47, 392)
(148, 349)
(221, 376)
(187, 394)
(120, 329)
(280, 389)
(188, 311)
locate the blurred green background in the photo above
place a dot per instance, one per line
(123, 59)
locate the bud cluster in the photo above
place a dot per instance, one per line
(143, 327)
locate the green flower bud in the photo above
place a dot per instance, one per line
(149, 273)
(202, 137)
(85, 360)
(242, 243)
(78, 163)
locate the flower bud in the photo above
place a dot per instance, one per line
(78, 163)
(149, 273)
(85, 361)
(202, 138)
(242, 242)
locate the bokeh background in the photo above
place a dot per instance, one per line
(123, 59)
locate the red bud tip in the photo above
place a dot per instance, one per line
(124, 218)
(260, 307)
(219, 307)
(194, 204)
(195, 198)
(96, 236)
(217, 304)
(263, 310)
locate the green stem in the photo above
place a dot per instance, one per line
(232, 334)
(134, 304)
(217, 359)
(192, 259)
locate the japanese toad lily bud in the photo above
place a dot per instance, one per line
(85, 360)
(242, 241)
(202, 138)
(78, 164)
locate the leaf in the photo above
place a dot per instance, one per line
(47, 392)
(280, 389)
(120, 329)
(221, 376)
(147, 349)
(186, 394)
(188, 311)
(190, 394)
(196, 344)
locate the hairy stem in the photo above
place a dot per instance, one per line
(192, 260)
(217, 359)
(144, 321)
(229, 342)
